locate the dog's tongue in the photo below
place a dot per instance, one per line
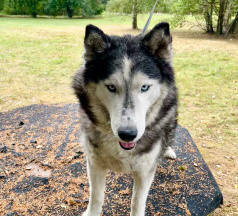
(127, 146)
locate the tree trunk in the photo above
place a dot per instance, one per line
(233, 25)
(69, 11)
(221, 17)
(227, 15)
(134, 15)
(34, 14)
(208, 12)
(209, 24)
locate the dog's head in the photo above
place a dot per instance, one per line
(128, 76)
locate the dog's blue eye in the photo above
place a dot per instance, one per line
(145, 88)
(111, 88)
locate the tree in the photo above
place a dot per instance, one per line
(208, 15)
(225, 10)
(33, 7)
(98, 6)
(233, 26)
(198, 8)
(219, 11)
(134, 7)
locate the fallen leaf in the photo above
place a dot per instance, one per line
(195, 164)
(29, 167)
(182, 168)
(72, 202)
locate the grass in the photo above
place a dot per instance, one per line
(38, 58)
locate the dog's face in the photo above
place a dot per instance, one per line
(128, 74)
(128, 94)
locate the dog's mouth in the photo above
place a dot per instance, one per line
(127, 146)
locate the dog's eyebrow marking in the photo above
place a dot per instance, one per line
(127, 65)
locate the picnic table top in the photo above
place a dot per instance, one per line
(43, 170)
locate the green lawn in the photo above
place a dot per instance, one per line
(38, 58)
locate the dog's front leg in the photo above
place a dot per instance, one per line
(142, 183)
(97, 178)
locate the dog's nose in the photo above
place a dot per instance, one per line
(127, 134)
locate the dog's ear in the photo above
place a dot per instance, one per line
(95, 41)
(159, 42)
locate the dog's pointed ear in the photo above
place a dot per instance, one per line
(95, 41)
(159, 42)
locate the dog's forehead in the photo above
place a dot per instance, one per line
(126, 75)
(125, 58)
(137, 66)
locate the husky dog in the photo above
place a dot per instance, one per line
(128, 103)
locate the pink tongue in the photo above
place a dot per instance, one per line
(127, 145)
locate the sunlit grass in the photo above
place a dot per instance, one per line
(38, 58)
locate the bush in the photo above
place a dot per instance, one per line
(1, 4)
(14, 7)
(23, 7)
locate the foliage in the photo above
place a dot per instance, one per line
(1, 4)
(54, 7)
(104, 2)
(137, 6)
(33, 7)
(126, 6)
(84, 7)
(23, 7)
(98, 6)
(213, 11)
(120, 6)
(15, 7)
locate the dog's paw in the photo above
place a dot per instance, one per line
(169, 153)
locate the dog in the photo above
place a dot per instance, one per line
(128, 109)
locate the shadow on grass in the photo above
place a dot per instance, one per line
(52, 17)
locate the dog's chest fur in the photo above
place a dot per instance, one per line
(104, 150)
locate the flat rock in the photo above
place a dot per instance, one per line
(184, 186)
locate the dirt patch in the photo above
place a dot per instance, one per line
(43, 170)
